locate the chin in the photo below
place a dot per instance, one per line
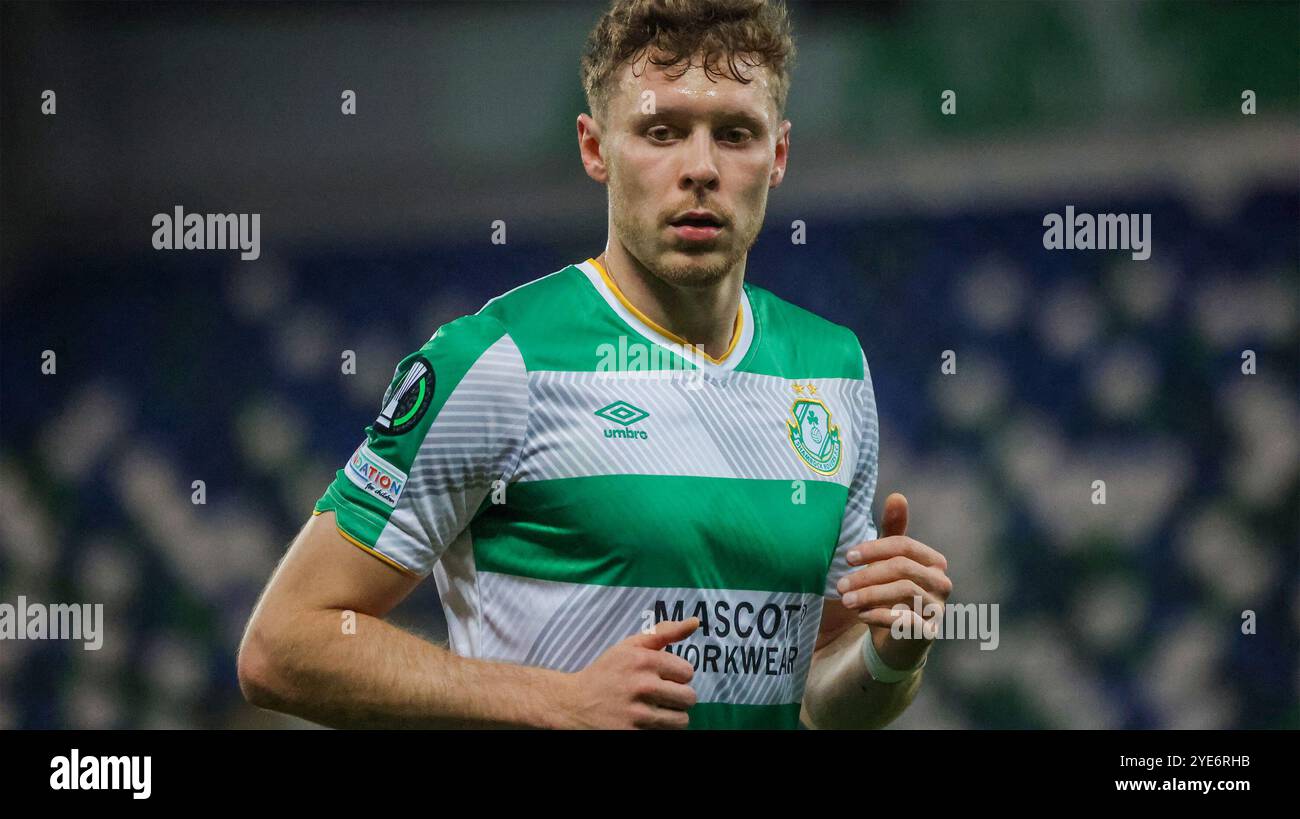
(697, 269)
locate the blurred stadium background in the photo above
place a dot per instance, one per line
(924, 235)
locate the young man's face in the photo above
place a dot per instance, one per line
(694, 143)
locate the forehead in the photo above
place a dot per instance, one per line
(694, 90)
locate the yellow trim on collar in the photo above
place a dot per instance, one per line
(663, 331)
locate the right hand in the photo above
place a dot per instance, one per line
(635, 683)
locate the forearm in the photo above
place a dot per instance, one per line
(384, 677)
(840, 693)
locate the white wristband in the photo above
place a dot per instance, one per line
(876, 667)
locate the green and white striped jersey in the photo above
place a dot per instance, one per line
(570, 475)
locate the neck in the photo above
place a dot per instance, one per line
(704, 316)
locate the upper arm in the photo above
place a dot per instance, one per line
(322, 570)
(320, 573)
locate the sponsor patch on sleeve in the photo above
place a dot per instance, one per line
(373, 474)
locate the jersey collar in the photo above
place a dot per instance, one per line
(742, 336)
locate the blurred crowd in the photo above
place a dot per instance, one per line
(1068, 368)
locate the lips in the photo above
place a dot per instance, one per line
(697, 225)
(697, 218)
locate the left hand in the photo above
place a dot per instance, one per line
(897, 571)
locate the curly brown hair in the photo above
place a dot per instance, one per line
(673, 32)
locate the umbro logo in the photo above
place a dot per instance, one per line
(625, 415)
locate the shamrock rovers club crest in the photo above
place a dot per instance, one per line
(813, 435)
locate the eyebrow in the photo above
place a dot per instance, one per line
(676, 112)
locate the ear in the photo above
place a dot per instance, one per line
(589, 148)
(782, 153)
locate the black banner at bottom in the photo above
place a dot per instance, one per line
(334, 770)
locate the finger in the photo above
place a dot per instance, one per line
(887, 617)
(671, 695)
(897, 568)
(873, 551)
(889, 594)
(882, 617)
(909, 622)
(664, 719)
(894, 519)
(903, 624)
(673, 668)
(666, 633)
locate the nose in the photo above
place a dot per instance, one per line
(699, 166)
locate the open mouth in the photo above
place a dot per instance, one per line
(696, 221)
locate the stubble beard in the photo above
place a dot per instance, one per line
(704, 269)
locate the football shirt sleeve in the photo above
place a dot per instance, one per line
(857, 524)
(450, 425)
